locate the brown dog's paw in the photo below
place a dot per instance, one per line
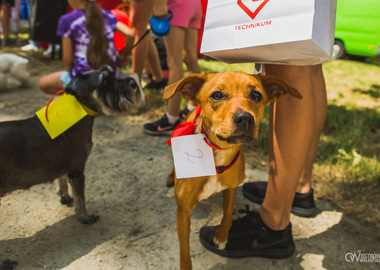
(89, 219)
(66, 200)
(7, 264)
(220, 244)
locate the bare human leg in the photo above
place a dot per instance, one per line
(292, 153)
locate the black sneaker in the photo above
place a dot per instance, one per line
(250, 237)
(182, 114)
(8, 42)
(303, 204)
(157, 85)
(160, 127)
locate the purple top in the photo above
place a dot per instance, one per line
(72, 25)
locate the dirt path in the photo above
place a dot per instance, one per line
(126, 175)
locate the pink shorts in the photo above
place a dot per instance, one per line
(186, 13)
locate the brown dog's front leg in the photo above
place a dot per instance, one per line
(63, 191)
(77, 184)
(184, 209)
(221, 236)
(183, 231)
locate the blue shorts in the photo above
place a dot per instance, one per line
(65, 78)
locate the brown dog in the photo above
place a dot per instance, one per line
(232, 107)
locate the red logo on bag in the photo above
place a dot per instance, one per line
(251, 13)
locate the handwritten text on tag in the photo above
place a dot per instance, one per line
(192, 156)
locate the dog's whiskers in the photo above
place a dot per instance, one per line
(124, 103)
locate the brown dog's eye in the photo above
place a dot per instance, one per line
(216, 96)
(256, 96)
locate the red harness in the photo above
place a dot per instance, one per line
(188, 128)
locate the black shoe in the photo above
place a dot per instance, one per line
(303, 204)
(160, 127)
(8, 42)
(182, 114)
(157, 85)
(250, 237)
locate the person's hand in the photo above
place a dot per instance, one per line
(160, 9)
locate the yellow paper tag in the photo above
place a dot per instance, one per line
(63, 113)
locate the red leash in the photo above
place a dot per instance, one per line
(50, 101)
(212, 146)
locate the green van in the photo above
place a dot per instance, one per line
(357, 29)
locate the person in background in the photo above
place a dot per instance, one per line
(84, 46)
(5, 14)
(32, 45)
(140, 13)
(182, 37)
(15, 17)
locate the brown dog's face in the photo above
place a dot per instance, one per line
(233, 106)
(232, 102)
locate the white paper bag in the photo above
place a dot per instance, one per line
(296, 32)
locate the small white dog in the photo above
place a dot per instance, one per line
(13, 71)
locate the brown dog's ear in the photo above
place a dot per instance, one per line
(188, 86)
(275, 87)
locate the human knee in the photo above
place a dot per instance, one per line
(174, 63)
(140, 30)
(139, 26)
(42, 84)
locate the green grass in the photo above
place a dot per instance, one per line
(351, 139)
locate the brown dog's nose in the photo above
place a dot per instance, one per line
(243, 119)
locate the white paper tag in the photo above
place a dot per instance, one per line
(192, 156)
